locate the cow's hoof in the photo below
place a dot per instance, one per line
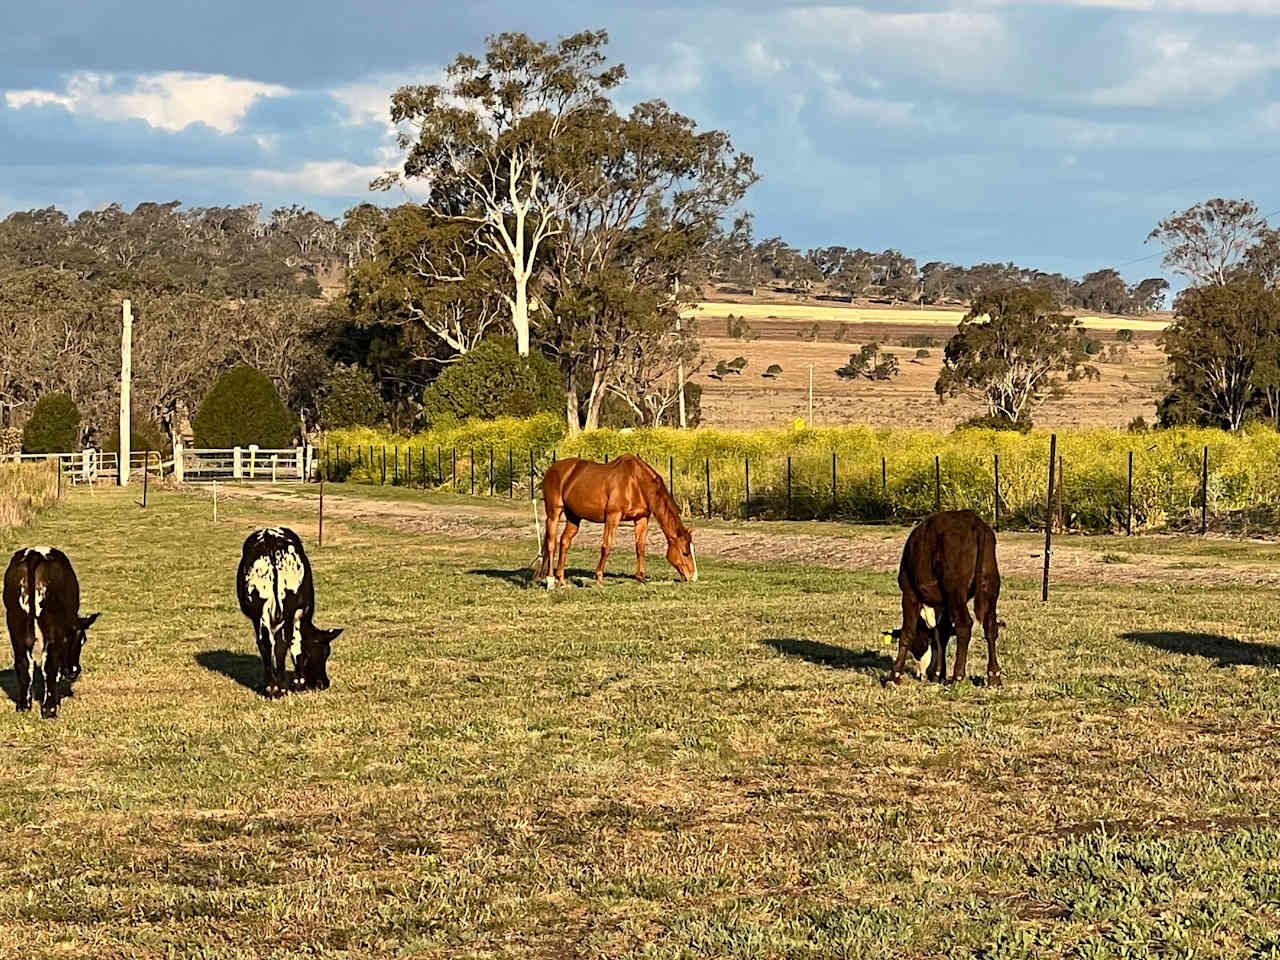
(891, 678)
(274, 693)
(551, 583)
(993, 679)
(24, 705)
(48, 711)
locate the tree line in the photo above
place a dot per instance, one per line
(738, 262)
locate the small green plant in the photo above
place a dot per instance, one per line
(737, 364)
(739, 329)
(1115, 558)
(922, 354)
(773, 372)
(54, 426)
(918, 340)
(1124, 336)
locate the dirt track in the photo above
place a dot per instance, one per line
(1020, 555)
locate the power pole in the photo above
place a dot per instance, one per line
(126, 376)
(680, 361)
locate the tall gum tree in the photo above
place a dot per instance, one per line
(485, 143)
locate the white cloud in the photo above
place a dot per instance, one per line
(1174, 69)
(369, 100)
(167, 101)
(761, 60)
(680, 73)
(969, 47)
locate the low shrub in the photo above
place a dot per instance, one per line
(242, 408)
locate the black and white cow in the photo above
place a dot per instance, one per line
(42, 608)
(276, 593)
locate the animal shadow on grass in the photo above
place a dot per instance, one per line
(525, 576)
(244, 668)
(1226, 651)
(9, 680)
(830, 656)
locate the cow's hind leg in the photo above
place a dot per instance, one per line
(911, 607)
(21, 662)
(271, 681)
(962, 624)
(51, 670)
(984, 610)
(938, 648)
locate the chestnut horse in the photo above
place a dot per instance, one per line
(608, 493)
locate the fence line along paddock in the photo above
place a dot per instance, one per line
(1004, 485)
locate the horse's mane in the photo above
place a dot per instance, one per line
(661, 503)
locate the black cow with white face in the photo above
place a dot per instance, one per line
(42, 608)
(276, 593)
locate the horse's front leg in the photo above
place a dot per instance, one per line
(611, 521)
(642, 527)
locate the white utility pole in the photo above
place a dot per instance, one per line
(126, 376)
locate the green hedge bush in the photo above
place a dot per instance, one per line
(493, 380)
(241, 408)
(54, 426)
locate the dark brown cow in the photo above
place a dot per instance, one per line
(42, 609)
(948, 560)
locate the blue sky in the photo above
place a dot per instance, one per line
(1049, 132)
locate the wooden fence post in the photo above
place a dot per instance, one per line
(1048, 518)
(746, 466)
(472, 460)
(384, 465)
(834, 490)
(671, 475)
(237, 465)
(178, 466)
(59, 478)
(146, 459)
(884, 476)
(530, 473)
(491, 468)
(320, 529)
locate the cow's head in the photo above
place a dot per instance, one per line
(919, 643)
(75, 643)
(680, 554)
(315, 656)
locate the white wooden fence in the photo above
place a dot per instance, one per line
(187, 465)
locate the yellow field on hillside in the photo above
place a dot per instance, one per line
(895, 315)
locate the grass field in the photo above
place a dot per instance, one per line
(666, 770)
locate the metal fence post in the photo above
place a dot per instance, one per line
(788, 488)
(1204, 493)
(531, 471)
(937, 483)
(997, 501)
(1128, 516)
(707, 464)
(1048, 518)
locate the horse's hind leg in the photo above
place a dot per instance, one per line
(571, 523)
(611, 521)
(642, 526)
(547, 560)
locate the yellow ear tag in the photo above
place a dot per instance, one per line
(887, 637)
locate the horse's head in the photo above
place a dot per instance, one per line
(680, 554)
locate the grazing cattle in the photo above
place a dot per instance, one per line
(948, 560)
(42, 607)
(276, 593)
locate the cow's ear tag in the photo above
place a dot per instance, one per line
(887, 637)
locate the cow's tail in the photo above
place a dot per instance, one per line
(33, 561)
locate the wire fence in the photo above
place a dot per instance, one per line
(1010, 494)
